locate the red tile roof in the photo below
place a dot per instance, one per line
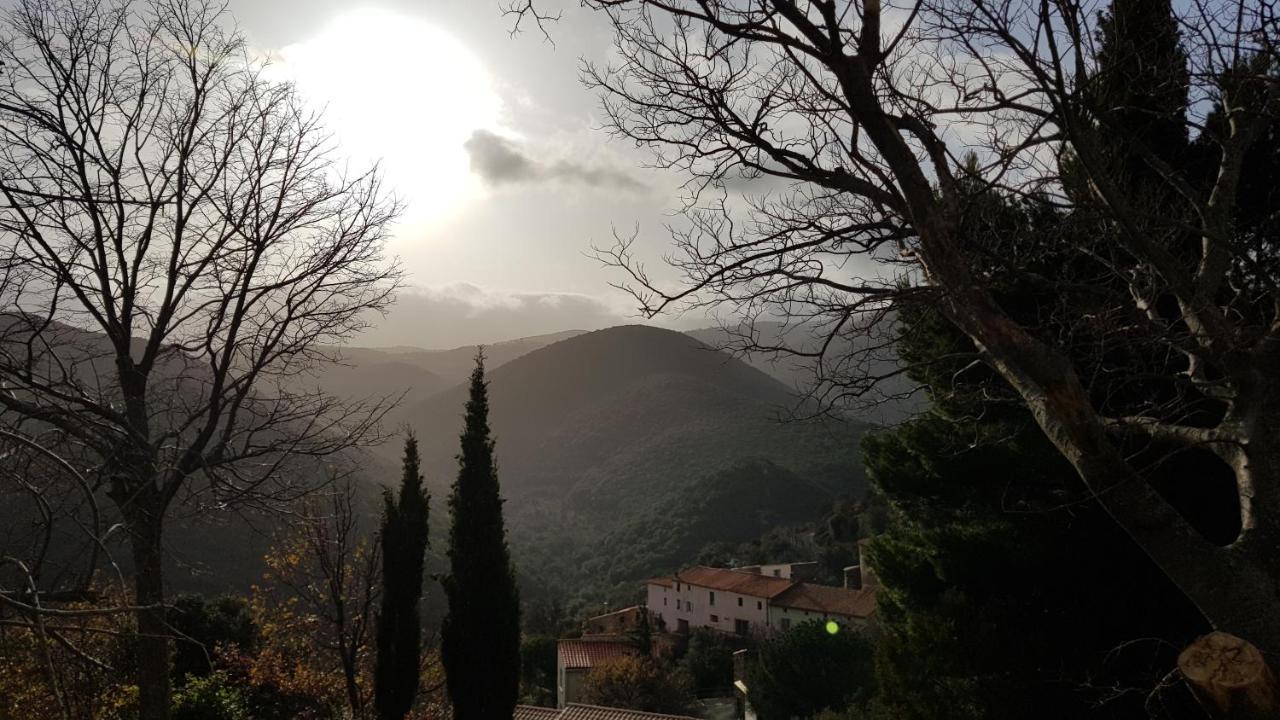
(532, 712)
(829, 600)
(574, 711)
(663, 581)
(736, 581)
(586, 654)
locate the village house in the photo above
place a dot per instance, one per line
(747, 601)
(577, 711)
(575, 659)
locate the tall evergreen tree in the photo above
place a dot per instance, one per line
(991, 541)
(404, 545)
(1141, 82)
(1006, 592)
(481, 634)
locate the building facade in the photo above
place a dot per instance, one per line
(743, 601)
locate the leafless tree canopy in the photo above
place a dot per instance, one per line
(886, 123)
(178, 241)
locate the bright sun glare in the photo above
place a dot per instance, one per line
(399, 90)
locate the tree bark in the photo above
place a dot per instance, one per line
(153, 646)
(1230, 678)
(1236, 591)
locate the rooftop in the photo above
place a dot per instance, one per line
(574, 711)
(533, 712)
(586, 654)
(859, 603)
(736, 581)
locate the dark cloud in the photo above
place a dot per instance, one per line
(464, 314)
(498, 160)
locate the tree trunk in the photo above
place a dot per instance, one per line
(354, 699)
(1236, 591)
(1230, 678)
(152, 648)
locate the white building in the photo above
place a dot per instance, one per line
(744, 601)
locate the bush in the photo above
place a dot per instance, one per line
(709, 660)
(210, 698)
(636, 683)
(807, 670)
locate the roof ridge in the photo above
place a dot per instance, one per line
(626, 710)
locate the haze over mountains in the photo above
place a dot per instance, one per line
(622, 452)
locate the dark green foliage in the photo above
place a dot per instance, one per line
(211, 697)
(1007, 591)
(734, 505)
(642, 636)
(831, 540)
(708, 661)
(606, 437)
(399, 636)
(546, 616)
(481, 634)
(1141, 84)
(201, 626)
(998, 605)
(806, 670)
(538, 670)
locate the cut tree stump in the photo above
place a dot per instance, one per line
(1230, 677)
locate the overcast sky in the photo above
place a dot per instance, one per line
(495, 146)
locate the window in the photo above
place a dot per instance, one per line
(664, 602)
(688, 604)
(739, 602)
(715, 618)
(713, 598)
(785, 623)
(777, 573)
(677, 587)
(677, 603)
(741, 627)
(759, 605)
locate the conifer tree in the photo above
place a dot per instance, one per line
(481, 634)
(404, 544)
(991, 540)
(1141, 82)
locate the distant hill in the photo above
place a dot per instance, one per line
(600, 430)
(622, 452)
(891, 400)
(414, 373)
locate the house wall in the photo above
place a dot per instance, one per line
(661, 603)
(693, 604)
(571, 691)
(796, 616)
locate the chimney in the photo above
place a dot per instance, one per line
(804, 571)
(853, 577)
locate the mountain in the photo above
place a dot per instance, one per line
(622, 452)
(636, 424)
(412, 373)
(891, 400)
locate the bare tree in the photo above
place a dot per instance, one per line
(178, 244)
(332, 570)
(869, 112)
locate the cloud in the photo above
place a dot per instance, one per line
(464, 314)
(498, 160)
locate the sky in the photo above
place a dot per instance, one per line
(496, 149)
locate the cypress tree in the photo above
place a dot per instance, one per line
(399, 636)
(1142, 81)
(480, 644)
